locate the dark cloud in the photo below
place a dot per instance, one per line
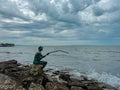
(98, 11)
(80, 5)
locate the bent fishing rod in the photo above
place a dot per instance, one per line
(58, 51)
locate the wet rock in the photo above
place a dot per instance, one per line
(83, 78)
(48, 70)
(65, 77)
(56, 72)
(106, 86)
(92, 85)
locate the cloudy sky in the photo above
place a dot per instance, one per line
(60, 22)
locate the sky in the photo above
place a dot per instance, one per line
(60, 22)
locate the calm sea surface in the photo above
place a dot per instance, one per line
(99, 62)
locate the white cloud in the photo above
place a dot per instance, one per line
(107, 11)
(87, 16)
(109, 4)
(68, 33)
(103, 31)
(15, 20)
(13, 33)
(40, 17)
(19, 32)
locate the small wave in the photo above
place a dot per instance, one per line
(117, 60)
(95, 59)
(110, 51)
(101, 77)
(105, 77)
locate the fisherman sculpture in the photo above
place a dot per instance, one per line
(38, 63)
(38, 57)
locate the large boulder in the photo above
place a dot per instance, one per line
(8, 66)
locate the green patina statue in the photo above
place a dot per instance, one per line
(38, 57)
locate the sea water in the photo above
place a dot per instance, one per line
(97, 62)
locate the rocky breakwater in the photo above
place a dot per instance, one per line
(15, 76)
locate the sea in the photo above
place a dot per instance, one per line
(96, 62)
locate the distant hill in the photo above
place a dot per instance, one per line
(7, 45)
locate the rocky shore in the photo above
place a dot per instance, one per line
(15, 76)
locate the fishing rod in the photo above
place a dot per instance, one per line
(58, 51)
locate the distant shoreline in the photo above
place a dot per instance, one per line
(71, 45)
(7, 45)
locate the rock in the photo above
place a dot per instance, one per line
(34, 86)
(26, 84)
(83, 78)
(55, 86)
(65, 77)
(20, 88)
(19, 74)
(49, 78)
(106, 86)
(76, 88)
(49, 70)
(77, 84)
(3, 78)
(94, 87)
(85, 84)
(6, 65)
(36, 70)
(24, 78)
(8, 84)
(9, 62)
(74, 79)
(109, 89)
(56, 72)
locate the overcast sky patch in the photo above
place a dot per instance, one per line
(60, 22)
